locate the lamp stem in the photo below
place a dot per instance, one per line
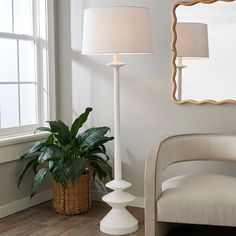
(180, 68)
(117, 148)
(116, 64)
(118, 221)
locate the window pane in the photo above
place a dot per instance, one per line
(6, 16)
(27, 61)
(23, 16)
(8, 60)
(9, 112)
(28, 104)
(42, 18)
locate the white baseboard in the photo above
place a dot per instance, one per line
(138, 202)
(24, 203)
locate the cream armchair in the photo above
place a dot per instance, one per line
(193, 199)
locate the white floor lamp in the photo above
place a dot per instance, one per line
(114, 31)
(192, 43)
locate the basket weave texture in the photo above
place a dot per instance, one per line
(75, 199)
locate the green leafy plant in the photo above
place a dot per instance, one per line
(66, 153)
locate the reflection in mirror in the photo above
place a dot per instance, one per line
(205, 52)
(192, 43)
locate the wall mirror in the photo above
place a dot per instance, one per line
(204, 52)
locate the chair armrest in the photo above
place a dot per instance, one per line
(152, 186)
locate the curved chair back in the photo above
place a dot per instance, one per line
(196, 147)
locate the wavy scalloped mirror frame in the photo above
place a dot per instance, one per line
(174, 39)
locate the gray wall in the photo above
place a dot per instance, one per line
(147, 111)
(10, 172)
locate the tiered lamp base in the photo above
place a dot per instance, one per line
(118, 221)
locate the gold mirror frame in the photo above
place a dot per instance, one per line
(174, 53)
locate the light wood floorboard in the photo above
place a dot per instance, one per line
(42, 220)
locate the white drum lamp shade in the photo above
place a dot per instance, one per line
(110, 30)
(192, 40)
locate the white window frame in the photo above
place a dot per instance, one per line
(46, 100)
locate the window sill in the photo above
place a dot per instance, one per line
(22, 138)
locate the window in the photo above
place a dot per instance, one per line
(26, 64)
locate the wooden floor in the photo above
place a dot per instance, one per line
(41, 220)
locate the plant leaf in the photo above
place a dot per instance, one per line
(50, 139)
(59, 172)
(60, 131)
(102, 141)
(92, 136)
(104, 148)
(38, 180)
(100, 166)
(98, 150)
(28, 165)
(50, 165)
(35, 166)
(33, 149)
(33, 154)
(48, 153)
(68, 147)
(51, 151)
(78, 123)
(76, 168)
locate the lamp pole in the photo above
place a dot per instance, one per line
(116, 64)
(118, 221)
(180, 68)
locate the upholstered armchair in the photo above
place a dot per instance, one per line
(208, 199)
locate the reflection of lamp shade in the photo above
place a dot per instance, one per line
(109, 30)
(192, 40)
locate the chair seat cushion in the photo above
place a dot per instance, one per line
(198, 199)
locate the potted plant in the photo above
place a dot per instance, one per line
(71, 158)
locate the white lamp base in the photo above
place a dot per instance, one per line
(118, 221)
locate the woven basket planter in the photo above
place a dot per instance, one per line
(73, 200)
